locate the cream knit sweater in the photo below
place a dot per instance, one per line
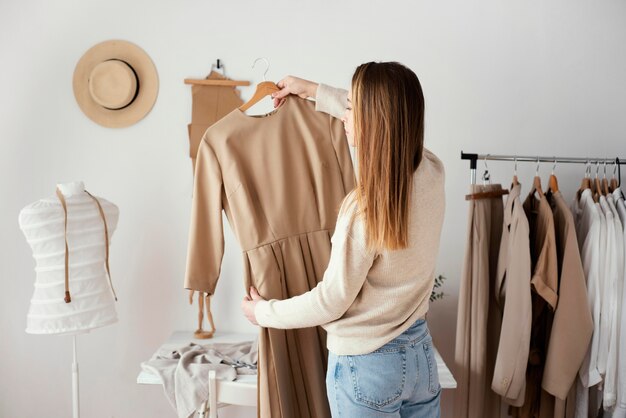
(367, 298)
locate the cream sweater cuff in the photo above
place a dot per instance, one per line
(262, 314)
(331, 100)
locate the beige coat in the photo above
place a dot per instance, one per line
(513, 292)
(544, 298)
(573, 326)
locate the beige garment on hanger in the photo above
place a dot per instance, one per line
(544, 296)
(513, 296)
(478, 317)
(280, 178)
(209, 104)
(573, 325)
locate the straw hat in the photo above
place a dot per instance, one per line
(115, 83)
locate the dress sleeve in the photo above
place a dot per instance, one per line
(347, 270)
(206, 234)
(331, 100)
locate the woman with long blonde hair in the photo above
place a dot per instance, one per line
(374, 296)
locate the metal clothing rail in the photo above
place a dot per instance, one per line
(473, 158)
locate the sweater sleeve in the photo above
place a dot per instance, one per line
(330, 299)
(331, 100)
(206, 235)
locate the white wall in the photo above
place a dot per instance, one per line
(526, 77)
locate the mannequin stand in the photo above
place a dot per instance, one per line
(75, 399)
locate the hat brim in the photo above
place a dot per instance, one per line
(147, 77)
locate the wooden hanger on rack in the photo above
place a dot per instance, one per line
(515, 181)
(553, 184)
(613, 184)
(216, 82)
(605, 183)
(537, 183)
(263, 89)
(488, 194)
(596, 187)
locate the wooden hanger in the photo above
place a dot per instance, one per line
(537, 187)
(537, 183)
(515, 180)
(605, 183)
(553, 183)
(263, 89)
(209, 82)
(596, 187)
(613, 184)
(216, 81)
(605, 187)
(488, 194)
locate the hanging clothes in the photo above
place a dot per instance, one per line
(514, 299)
(608, 298)
(609, 394)
(589, 230)
(478, 317)
(620, 407)
(544, 296)
(208, 105)
(280, 178)
(572, 327)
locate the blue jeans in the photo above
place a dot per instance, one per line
(400, 379)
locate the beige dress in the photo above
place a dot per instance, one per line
(280, 179)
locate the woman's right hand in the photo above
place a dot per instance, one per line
(294, 85)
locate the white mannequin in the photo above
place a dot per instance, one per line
(92, 301)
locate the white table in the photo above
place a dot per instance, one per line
(243, 390)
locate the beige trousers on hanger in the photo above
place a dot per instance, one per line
(478, 317)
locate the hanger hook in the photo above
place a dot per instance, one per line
(604, 169)
(515, 166)
(554, 166)
(266, 68)
(614, 167)
(597, 168)
(486, 176)
(537, 170)
(588, 169)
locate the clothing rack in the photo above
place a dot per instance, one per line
(473, 158)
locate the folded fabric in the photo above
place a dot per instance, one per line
(185, 371)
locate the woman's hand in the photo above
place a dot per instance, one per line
(294, 85)
(248, 304)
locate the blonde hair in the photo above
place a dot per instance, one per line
(388, 106)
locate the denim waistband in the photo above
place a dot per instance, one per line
(417, 331)
(420, 323)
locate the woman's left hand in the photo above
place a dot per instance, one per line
(248, 304)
